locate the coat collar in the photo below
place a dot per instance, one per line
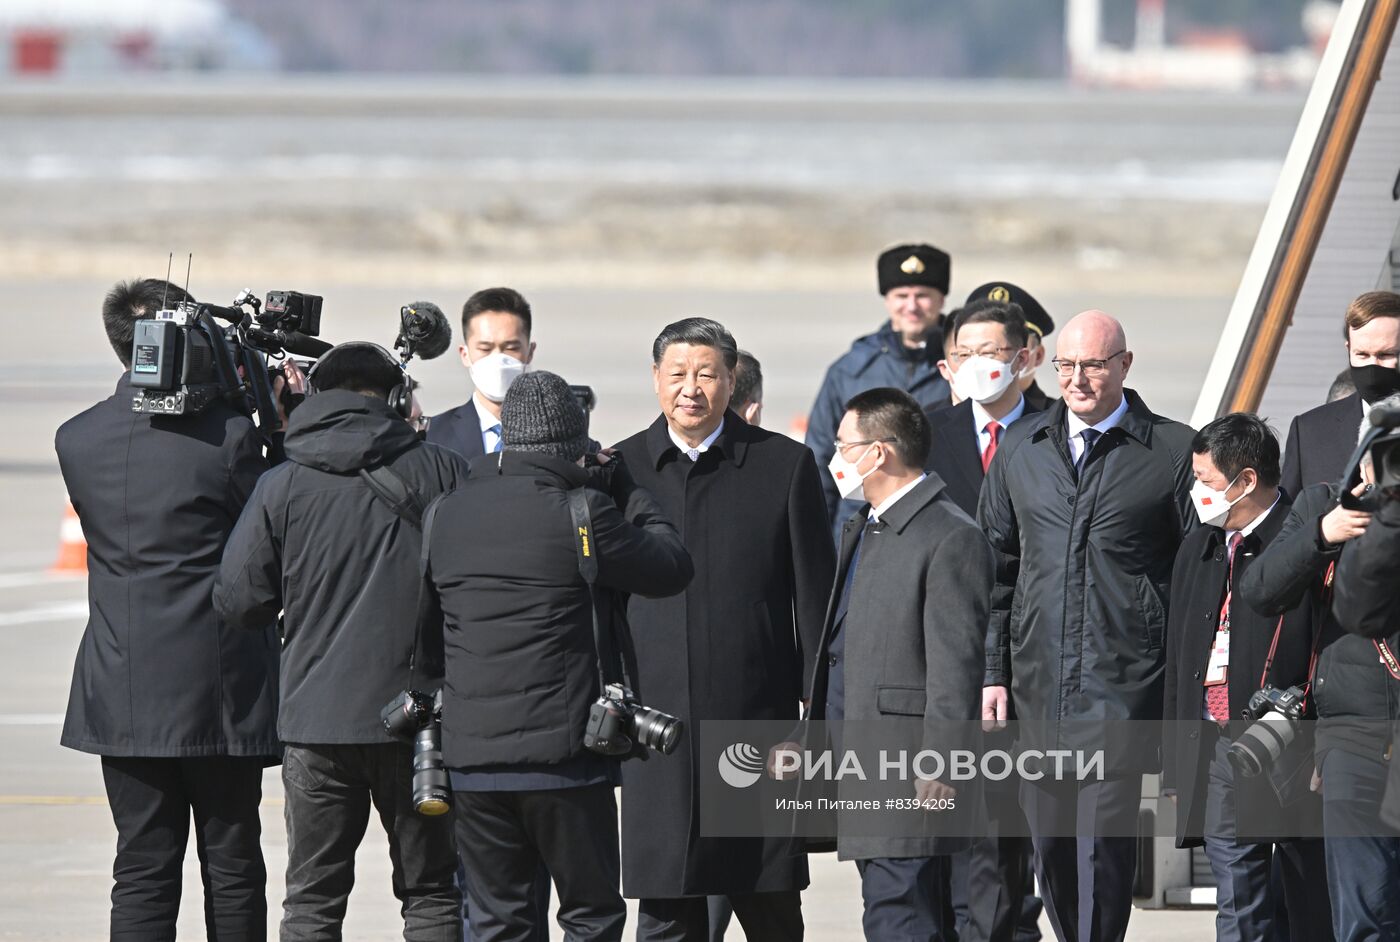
(1261, 537)
(733, 442)
(538, 464)
(905, 509)
(1137, 421)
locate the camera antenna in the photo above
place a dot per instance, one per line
(189, 263)
(169, 260)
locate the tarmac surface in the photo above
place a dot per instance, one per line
(56, 835)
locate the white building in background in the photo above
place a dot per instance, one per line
(77, 37)
(1202, 59)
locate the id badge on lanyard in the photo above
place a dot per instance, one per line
(1218, 670)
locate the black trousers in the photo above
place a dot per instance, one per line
(993, 881)
(1249, 901)
(329, 793)
(152, 801)
(906, 898)
(503, 837)
(1085, 854)
(772, 917)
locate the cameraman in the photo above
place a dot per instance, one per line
(180, 707)
(1355, 700)
(1368, 574)
(319, 544)
(523, 667)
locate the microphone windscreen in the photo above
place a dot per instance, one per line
(427, 328)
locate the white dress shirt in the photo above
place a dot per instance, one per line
(490, 428)
(981, 417)
(694, 453)
(1078, 425)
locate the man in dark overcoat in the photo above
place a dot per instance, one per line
(993, 885)
(181, 706)
(903, 645)
(738, 644)
(1085, 504)
(1220, 651)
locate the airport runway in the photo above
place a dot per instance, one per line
(56, 838)
(616, 207)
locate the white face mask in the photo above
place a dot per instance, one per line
(848, 479)
(983, 379)
(493, 374)
(1211, 505)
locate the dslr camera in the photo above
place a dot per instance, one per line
(1275, 716)
(417, 717)
(617, 722)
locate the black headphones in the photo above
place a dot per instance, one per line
(400, 398)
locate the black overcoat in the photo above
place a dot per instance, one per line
(157, 673)
(1198, 589)
(1084, 563)
(738, 644)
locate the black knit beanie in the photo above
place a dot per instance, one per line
(540, 414)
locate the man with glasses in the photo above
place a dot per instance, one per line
(1320, 440)
(1039, 325)
(987, 352)
(1085, 504)
(992, 888)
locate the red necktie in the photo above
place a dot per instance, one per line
(994, 434)
(1218, 696)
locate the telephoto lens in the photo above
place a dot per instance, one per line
(1262, 743)
(1276, 714)
(432, 792)
(656, 730)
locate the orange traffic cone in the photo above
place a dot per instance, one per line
(72, 547)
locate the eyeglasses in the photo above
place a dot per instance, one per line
(840, 445)
(1090, 368)
(962, 356)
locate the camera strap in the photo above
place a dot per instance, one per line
(1392, 666)
(396, 493)
(611, 668)
(404, 500)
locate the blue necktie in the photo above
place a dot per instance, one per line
(497, 430)
(1090, 436)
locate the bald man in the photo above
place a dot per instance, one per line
(1085, 504)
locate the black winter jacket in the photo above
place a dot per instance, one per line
(316, 544)
(1368, 578)
(1352, 692)
(1084, 566)
(157, 673)
(522, 668)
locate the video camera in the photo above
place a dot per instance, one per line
(183, 360)
(1382, 443)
